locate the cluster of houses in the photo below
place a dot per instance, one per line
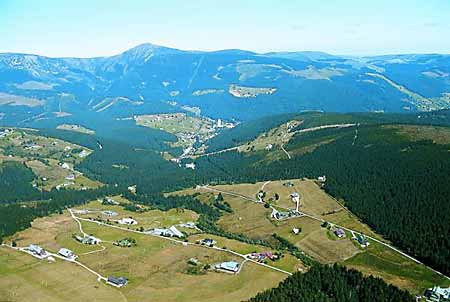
(229, 267)
(5, 132)
(437, 294)
(260, 257)
(90, 240)
(170, 232)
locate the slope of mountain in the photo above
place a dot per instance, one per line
(155, 79)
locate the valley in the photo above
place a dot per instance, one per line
(244, 204)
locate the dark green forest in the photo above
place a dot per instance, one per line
(332, 284)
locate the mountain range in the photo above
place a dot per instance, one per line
(228, 84)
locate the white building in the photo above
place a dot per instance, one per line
(190, 166)
(83, 153)
(37, 250)
(269, 147)
(438, 294)
(127, 221)
(67, 254)
(170, 232)
(230, 266)
(322, 178)
(175, 232)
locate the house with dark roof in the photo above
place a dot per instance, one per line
(340, 233)
(117, 281)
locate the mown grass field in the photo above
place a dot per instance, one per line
(156, 267)
(24, 278)
(396, 269)
(147, 219)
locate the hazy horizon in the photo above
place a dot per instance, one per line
(85, 29)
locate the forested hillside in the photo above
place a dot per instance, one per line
(332, 284)
(15, 183)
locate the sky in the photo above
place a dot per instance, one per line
(89, 28)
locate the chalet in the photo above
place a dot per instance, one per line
(190, 166)
(70, 177)
(437, 294)
(117, 281)
(127, 221)
(170, 232)
(66, 253)
(83, 153)
(91, 240)
(262, 256)
(175, 232)
(230, 266)
(322, 178)
(208, 241)
(37, 250)
(109, 201)
(65, 166)
(109, 213)
(362, 240)
(340, 233)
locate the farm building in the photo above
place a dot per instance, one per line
(296, 231)
(67, 253)
(230, 266)
(117, 281)
(127, 221)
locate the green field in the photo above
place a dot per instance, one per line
(253, 220)
(156, 267)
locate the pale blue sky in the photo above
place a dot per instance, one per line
(88, 28)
